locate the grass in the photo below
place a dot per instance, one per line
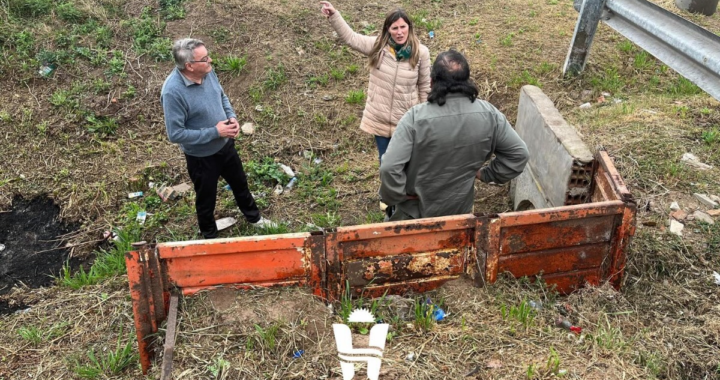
(355, 97)
(114, 363)
(232, 64)
(522, 313)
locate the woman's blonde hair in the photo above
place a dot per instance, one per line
(382, 40)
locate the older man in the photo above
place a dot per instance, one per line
(439, 147)
(199, 117)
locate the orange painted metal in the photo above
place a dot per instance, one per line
(144, 319)
(566, 259)
(550, 235)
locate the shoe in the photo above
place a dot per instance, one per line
(264, 223)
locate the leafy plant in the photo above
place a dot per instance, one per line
(352, 69)
(268, 336)
(682, 86)
(710, 136)
(625, 46)
(274, 78)
(30, 8)
(68, 12)
(232, 64)
(318, 80)
(355, 97)
(172, 9)
(424, 314)
(113, 364)
(643, 60)
(525, 78)
(219, 366)
(507, 41)
(32, 334)
(522, 313)
(267, 171)
(337, 74)
(101, 125)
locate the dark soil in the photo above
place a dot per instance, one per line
(35, 241)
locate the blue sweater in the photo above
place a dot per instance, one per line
(192, 111)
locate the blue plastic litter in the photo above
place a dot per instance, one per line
(431, 34)
(438, 314)
(227, 187)
(298, 354)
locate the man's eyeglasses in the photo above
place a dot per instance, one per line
(204, 59)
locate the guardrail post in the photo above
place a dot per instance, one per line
(590, 12)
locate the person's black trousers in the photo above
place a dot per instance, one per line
(205, 172)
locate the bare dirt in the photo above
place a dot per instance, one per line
(34, 240)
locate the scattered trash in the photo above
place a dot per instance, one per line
(23, 311)
(679, 215)
(431, 34)
(47, 70)
(2, 247)
(692, 160)
(717, 277)
(110, 235)
(287, 170)
(438, 314)
(703, 217)
(704, 199)
(136, 194)
(317, 161)
(259, 108)
(674, 206)
(298, 354)
(676, 227)
(649, 223)
(151, 185)
(172, 192)
(607, 94)
(410, 357)
(291, 184)
(601, 99)
(536, 305)
(616, 101)
(565, 324)
(141, 216)
(227, 187)
(248, 128)
(225, 223)
(328, 98)
(278, 189)
(585, 106)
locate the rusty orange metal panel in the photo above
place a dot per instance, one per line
(318, 274)
(476, 264)
(603, 186)
(192, 290)
(624, 233)
(404, 228)
(416, 286)
(494, 249)
(558, 234)
(142, 317)
(231, 245)
(568, 282)
(551, 261)
(404, 267)
(407, 244)
(608, 167)
(520, 218)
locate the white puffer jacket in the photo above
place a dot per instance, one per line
(394, 86)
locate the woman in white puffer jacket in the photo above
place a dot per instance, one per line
(399, 71)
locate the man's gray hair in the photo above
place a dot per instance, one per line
(182, 51)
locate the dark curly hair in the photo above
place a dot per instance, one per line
(451, 74)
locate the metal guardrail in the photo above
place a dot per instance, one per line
(687, 48)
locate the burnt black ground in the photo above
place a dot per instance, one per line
(34, 240)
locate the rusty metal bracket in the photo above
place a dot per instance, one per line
(169, 347)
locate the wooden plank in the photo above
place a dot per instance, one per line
(169, 347)
(552, 235)
(555, 260)
(406, 244)
(396, 269)
(521, 218)
(246, 267)
(405, 228)
(231, 245)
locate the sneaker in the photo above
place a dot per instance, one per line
(264, 223)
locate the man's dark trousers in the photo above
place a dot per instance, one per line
(205, 172)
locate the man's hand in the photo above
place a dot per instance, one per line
(228, 128)
(327, 8)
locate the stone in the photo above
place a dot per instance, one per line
(705, 200)
(586, 95)
(676, 227)
(714, 197)
(585, 106)
(248, 128)
(679, 215)
(703, 217)
(692, 160)
(713, 212)
(674, 206)
(328, 98)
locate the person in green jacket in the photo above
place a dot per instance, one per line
(439, 147)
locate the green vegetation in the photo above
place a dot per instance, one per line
(522, 313)
(355, 97)
(114, 363)
(232, 64)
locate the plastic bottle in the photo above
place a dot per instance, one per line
(292, 183)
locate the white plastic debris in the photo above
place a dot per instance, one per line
(141, 216)
(259, 108)
(135, 194)
(676, 227)
(410, 357)
(585, 106)
(287, 170)
(717, 277)
(2, 247)
(674, 206)
(692, 160)
(278, 189)
(225, 223)
(248, 128)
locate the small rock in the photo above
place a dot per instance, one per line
(606, 94)
(703, 217)
(300, 51)
(692, 160)
(328, 98)
(674, 206)
(704, 199)
(278, 189)
(2, 247)
(713, 212)
(585, 106)
(679, 215)
(676, 227)
(259, 108)
(714, 197)
(248, 128)
(410, 357)
(717, 277)
(586, 95)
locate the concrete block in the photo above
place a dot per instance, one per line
(704, 199)
(560, 167)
